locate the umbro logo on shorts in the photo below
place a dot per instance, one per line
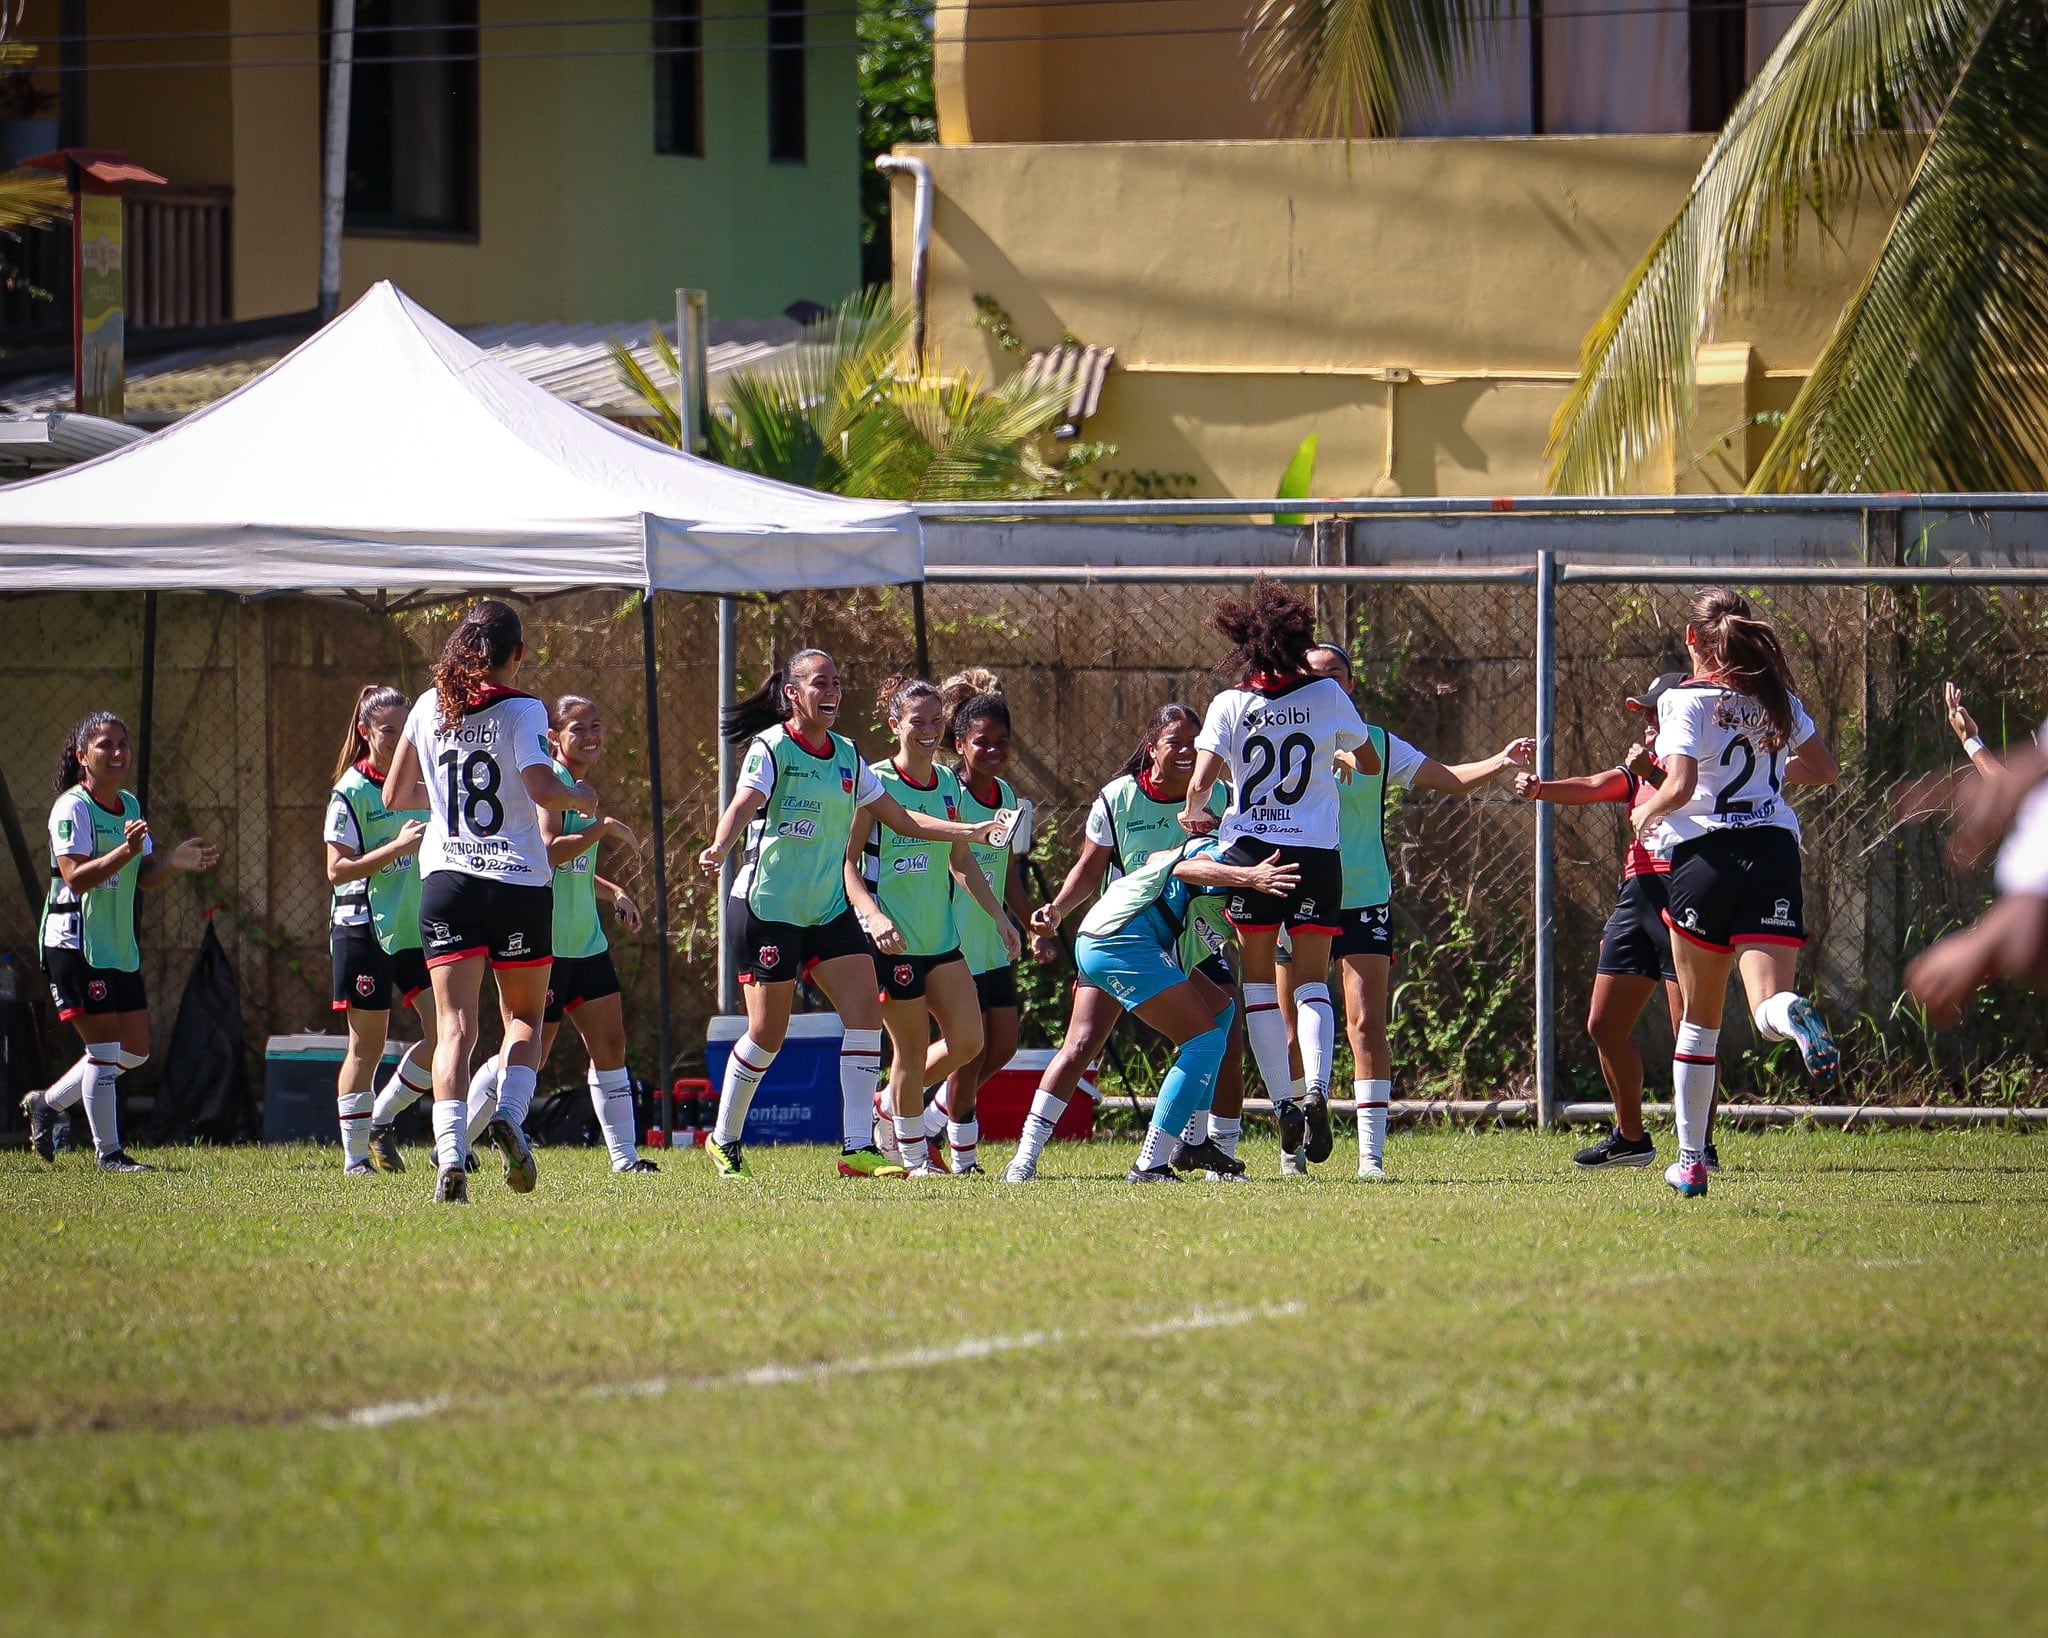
(438, 931)
(516, 944)
(1781, 914)
(1690, 919)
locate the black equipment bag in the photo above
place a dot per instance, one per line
(203, 1095)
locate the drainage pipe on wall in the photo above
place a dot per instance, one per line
(922, 200)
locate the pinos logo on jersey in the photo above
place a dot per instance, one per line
(366, 986)
(1781, 914)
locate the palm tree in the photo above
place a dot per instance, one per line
(841, 412)
(1935, 375)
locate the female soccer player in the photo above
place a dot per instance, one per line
(1276, 735)
(1129, 947)
(1134, 816)
(799, 790)
(979, 733)
(475, 754)
(1364, 945)
(100, 853)
(1732, 736)
(583, 985)
(1635, 948)
(901, 889)
(373, 867)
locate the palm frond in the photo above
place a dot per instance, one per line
(663, 418)
(1937, 375)
(32, 199)
(1345, 68)
(1831, 119)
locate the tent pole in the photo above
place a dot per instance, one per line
(148, 707)
(920, 630)
(341, 53)
(728, 696)
(665, 1047)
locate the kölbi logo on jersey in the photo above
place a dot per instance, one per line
(1279, 716)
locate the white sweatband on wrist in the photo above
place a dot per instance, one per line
(1972, 746)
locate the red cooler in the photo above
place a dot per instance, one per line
(1006, 1100)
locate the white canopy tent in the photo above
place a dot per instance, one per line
(388, 454)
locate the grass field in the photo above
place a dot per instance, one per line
(1495, 1396)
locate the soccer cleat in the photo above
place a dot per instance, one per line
(728, 1159)
(1151, 1174)
(1713, 1159)
(1206, 1156)
(637, 1164)
(1225, 1177)
(359, 1168)
(470, 1163)
(1021, 1171)
(924, 1173)
(972, 1168)
(870, 1163)
(1688, 1177)
(42, 1125)
(521, 1171)
(1373, 1171)
(384, 1153)
(1320, 1142)
(1816, 1045)
(1293, 1125)
(453, 1187)
(1616, 1150)
(122, 1161)
(1293, 1165)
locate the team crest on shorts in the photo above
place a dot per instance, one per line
(767, 956)
(904, 974)
(96, 990)
(365, 984)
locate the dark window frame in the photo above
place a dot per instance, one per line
(788, 112)
(679, 78)
(1717, 40)
(462, 42)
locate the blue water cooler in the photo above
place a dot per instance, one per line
(799, 1097)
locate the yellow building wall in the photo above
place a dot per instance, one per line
(1257, 292)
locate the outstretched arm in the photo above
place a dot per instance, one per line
(1583, 791)
(1456, 778)
(905, 823)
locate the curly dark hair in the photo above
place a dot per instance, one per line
(490, 634)
(971, 696)
(1272, 631)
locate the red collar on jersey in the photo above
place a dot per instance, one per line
(1145, 784)
(370, 771)
(913, 784)
(491, 694)
(819, 751)
(1262, 682)
(1706, 682)
(993, 800)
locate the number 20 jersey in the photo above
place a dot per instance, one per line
(1741, 780)
(1281, 747)
(481, 821)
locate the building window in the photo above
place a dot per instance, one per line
(786, 132)
(412, 118)
(1718, 35)
(679, 77)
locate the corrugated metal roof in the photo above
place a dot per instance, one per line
(570, 360)
(60, 438)
(1081, 371)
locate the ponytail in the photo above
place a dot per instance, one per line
(355, 744)
(71, 760)
(1162, 719)
(768, 704)
(1746, 654)
(488, 637)
(971, 696)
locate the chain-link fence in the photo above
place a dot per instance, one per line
(250, 704)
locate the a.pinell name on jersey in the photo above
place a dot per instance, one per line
(1279, 716)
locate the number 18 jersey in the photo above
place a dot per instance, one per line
(480, 820)
(1281, 741)
(1742, 778)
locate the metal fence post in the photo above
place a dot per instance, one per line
(728, 696)
(1546, 841)
(665, 1050)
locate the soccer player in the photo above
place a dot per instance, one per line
(1130, 947)
(373, 867)
(979, 733)
(1276, 734)
(1134, 816)
(100, 853)
(1732, 736)
(902, 891)
(1635, 947)
(1364, 945)
(583, 985)
(475, 754)
(800, 787)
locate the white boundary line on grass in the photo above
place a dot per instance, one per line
(775, 1375)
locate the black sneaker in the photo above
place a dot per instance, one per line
(453, 1188)
(1151, 1174)
(470, 1163)
(1713, 1159)
(1320, 1141)
(1205, 1156)
(122, 1161)
(1616, 1150)
(42, 1125)
(1293, 1125)
(638, 1165)
(384, 1153)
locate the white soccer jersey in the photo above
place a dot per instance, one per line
(2023, 860)
(1281, 749)
(480, 821)
(1741, 783)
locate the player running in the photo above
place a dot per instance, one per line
(1134, 816)
(373, 867)
(799, 790)
(475, 754)
(583, 985)
(1732, 736)
(901, 890)
(1635, 946)
(1130, 947)
(1364, 946)
(1276, 735)
(100, 853)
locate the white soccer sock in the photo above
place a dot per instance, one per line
(1046, 1109)
(1268, 1033)
(69, 1087)
(483, 1100)
(743, 1072)
(1773, 1016)
(354, 1110)
(963, 1137)
(103, 1104)
(910, 1139)
(1153, 1151)
(935, 1117)
(450, 1133)
(1197, 1127)
(860, 1068)
(1692, 1081)
(1315, 1026)
(1226, 1130)
(515, 1093)
(611, 1095)
(1373, 1098)
(410, 1081)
